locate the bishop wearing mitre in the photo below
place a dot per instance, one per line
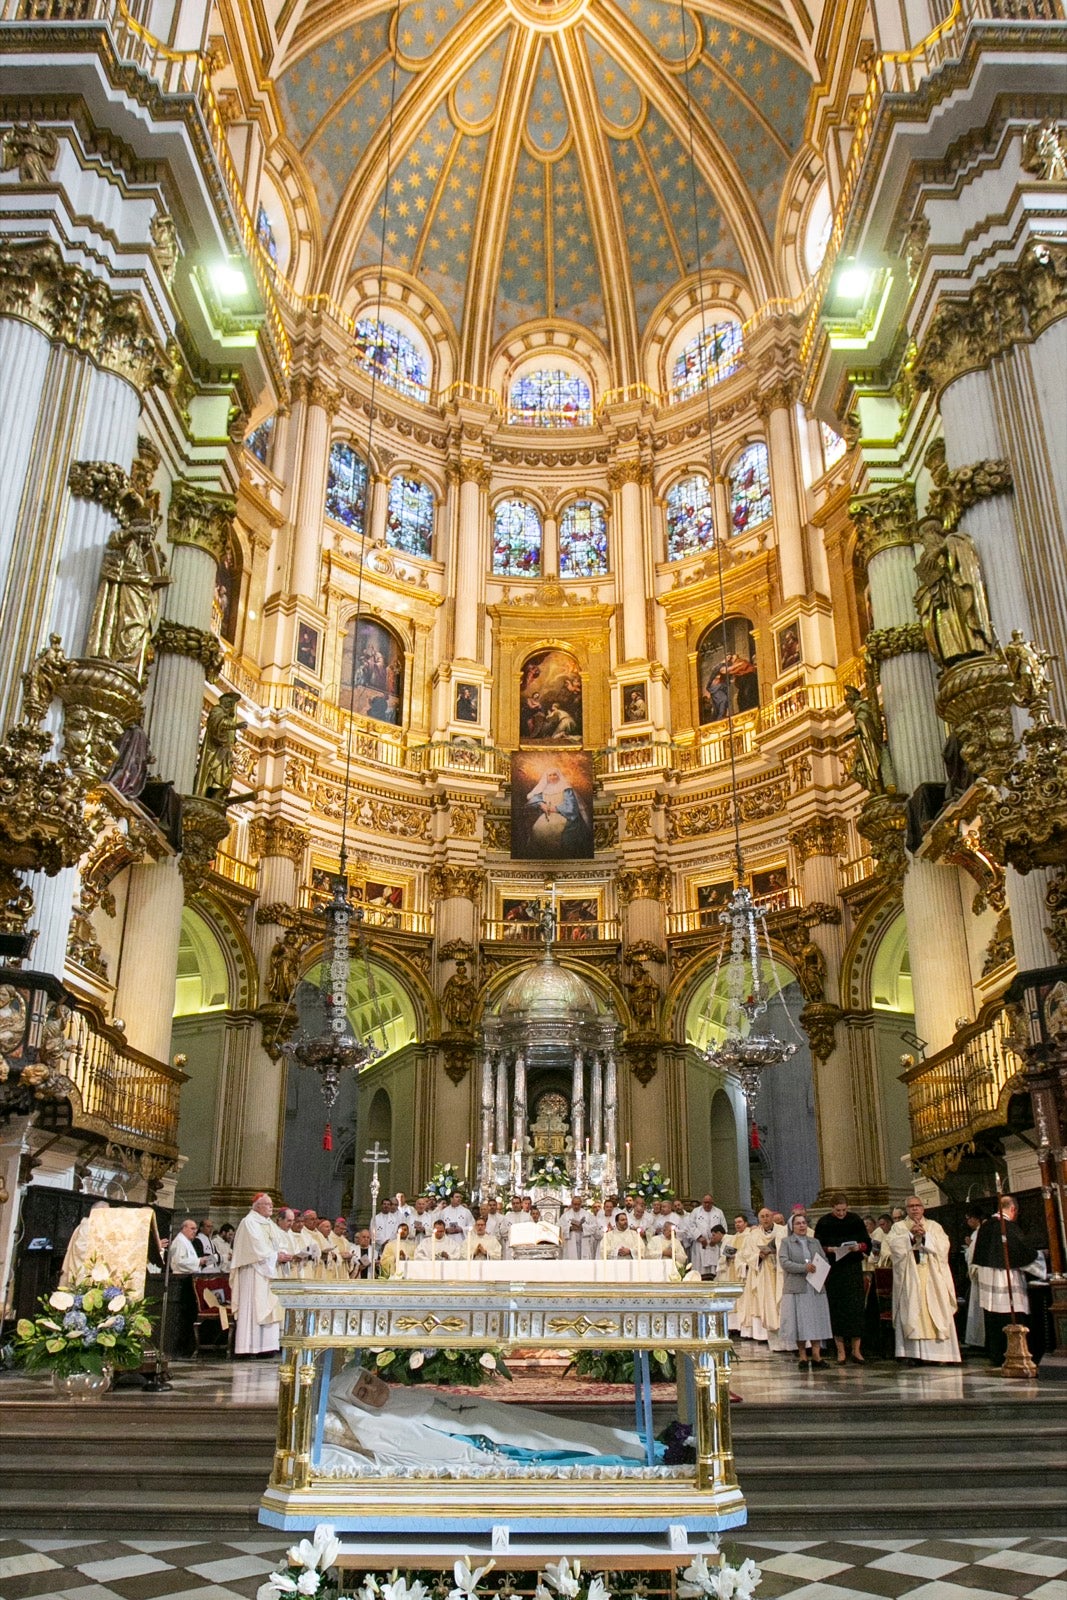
(924, 1296)
(256, 1258)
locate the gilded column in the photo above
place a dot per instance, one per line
(775, 406)
(625, 480)
(644, 894)
(474, 478)
(322, 406)
(933, 905)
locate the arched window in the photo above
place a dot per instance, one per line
(690, 520)
(750, 489)
(258, 442)
(709, 356)
(393, 357)
(346, 486)
(516, 540)
(583, 540)
(833, 446)
(265, 233)
(409, 525)
(550, 400)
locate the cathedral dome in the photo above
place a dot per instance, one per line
(547, 992)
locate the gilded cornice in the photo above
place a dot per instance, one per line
(643, 883)
(456, 883)
(1013, 305)
(73, 308)
(181, 639)
(884, 520)
(883, 644)
(278, 836)
(200, 518)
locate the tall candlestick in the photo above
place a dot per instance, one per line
(627, 1160)
(466, 1163)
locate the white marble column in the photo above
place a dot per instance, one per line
(23, 350)
(626, 479)
(470, 558)
(309, 508)
(776, 407)
(177, 693)
(144, 993)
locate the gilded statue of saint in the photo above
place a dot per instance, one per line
(872, 764)
(644, 998)
(951, 597)
(1030, 677)
(810, 966)
(459, 998)
(283, 971)
(214, 770)
(132, 573)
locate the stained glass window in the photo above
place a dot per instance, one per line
(583, 540)
(409, 524)
(833, 446)
(550, 400)
(750, 488)
(516, 540)
(265, 234)
(708, 358)
(346, 486)
(258, 442)
(390, 355)
(690, 520)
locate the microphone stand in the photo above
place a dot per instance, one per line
(159, 1382)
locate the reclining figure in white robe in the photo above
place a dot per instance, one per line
(399, 1427)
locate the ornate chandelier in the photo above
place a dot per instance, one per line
(743, 1050)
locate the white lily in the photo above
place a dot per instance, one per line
(563, 1579)
(280, 1584)
(368, 1589)
(541, 1593)
(749, 1577)
(466, 1580)
(697, 1579)
(100, 1272)
(598, 1590)
(61, 1300)
(303, 1554)
(400, 1589)
(308, 1582)
(327, 1545)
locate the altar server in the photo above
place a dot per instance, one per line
(622, 1242)
(481, 1245)
(698, 1226)
(578, 1229)
(759, 1306)
(457, 1218)
(256, 1259)
(924, 1296)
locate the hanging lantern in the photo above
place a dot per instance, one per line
(327, 1043)
(744, 1050)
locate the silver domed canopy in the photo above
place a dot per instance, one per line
(548, 1011)
(547, 991)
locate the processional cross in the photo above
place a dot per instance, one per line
(375, 1157)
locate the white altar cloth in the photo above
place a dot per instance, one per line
(445, 1270)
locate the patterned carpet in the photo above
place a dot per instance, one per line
(233, 1569)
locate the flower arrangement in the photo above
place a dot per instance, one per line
(568, 1582)
(93, 1324)
(651, 1182)
(617, 1366)
(445, 1181)
(445, 1367)
(719, 1582)
(550, 1172)
(307, 1569)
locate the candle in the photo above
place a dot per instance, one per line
(627, 1160)
(466, 1162)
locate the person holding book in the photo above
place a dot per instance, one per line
(805, 1314)
(843, 1236)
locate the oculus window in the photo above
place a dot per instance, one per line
(409, 522)
(516, 540)
(346, 487)
(690, 519)
(583, 540)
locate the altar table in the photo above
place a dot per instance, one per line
(639, 1508)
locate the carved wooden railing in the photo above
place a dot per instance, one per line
(122, 1094)
(962, 1090)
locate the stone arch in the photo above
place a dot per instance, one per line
(857, 966)
(229, 938)
(723, 1141)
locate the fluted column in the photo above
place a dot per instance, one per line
(596, 1104)
(486, 1126)
(144, 995)
(474, 478)
(933, 905)
(644, 893)
(625, 479)
(611, 1108)
(322, 406)
(501, 1141)
(23, 350)
(578, 1103)
(378, 508)
(776, 409)
(518, 1105)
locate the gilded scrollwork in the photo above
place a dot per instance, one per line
(278, 836)
(643, 883)
(885, 644)
(200, 517)
(884, 520)
(819, 1019)
(819, 836)
(456, 883)
(883, 823)
(182, 639)
(1012, 305)
(957, 489)
(1044, 153)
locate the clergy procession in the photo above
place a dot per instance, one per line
(851, 1283)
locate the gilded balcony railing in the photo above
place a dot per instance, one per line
(118, 1092)
(962, 1090)
(524, 931)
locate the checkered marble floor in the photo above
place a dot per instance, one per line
(232, 1569)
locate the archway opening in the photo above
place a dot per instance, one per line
(726, 1186)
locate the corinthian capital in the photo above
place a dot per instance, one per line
(779, 397)
(200, 517)
(320, 393)
(472, 470)
(819, 836)
(456, 883)
(884, 520)
(643, 883)
(278, 836)
(632, 471)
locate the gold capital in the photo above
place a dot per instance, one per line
(278, 836)
(200, 518)
(884, 520)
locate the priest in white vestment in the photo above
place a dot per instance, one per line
(924, 1296)
(256, 1258)
(481, 1245)
(458, 1220)
(398, 1427)
(401, 1248)
(307, 1263)
(622, 1243)
(438, 1247)
(668, 1246)
(80, 1250)
(733, 1268)
(641, 1218)
(698, 1226)
(759, 1308)
(507, 1222)
(577, 1229)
